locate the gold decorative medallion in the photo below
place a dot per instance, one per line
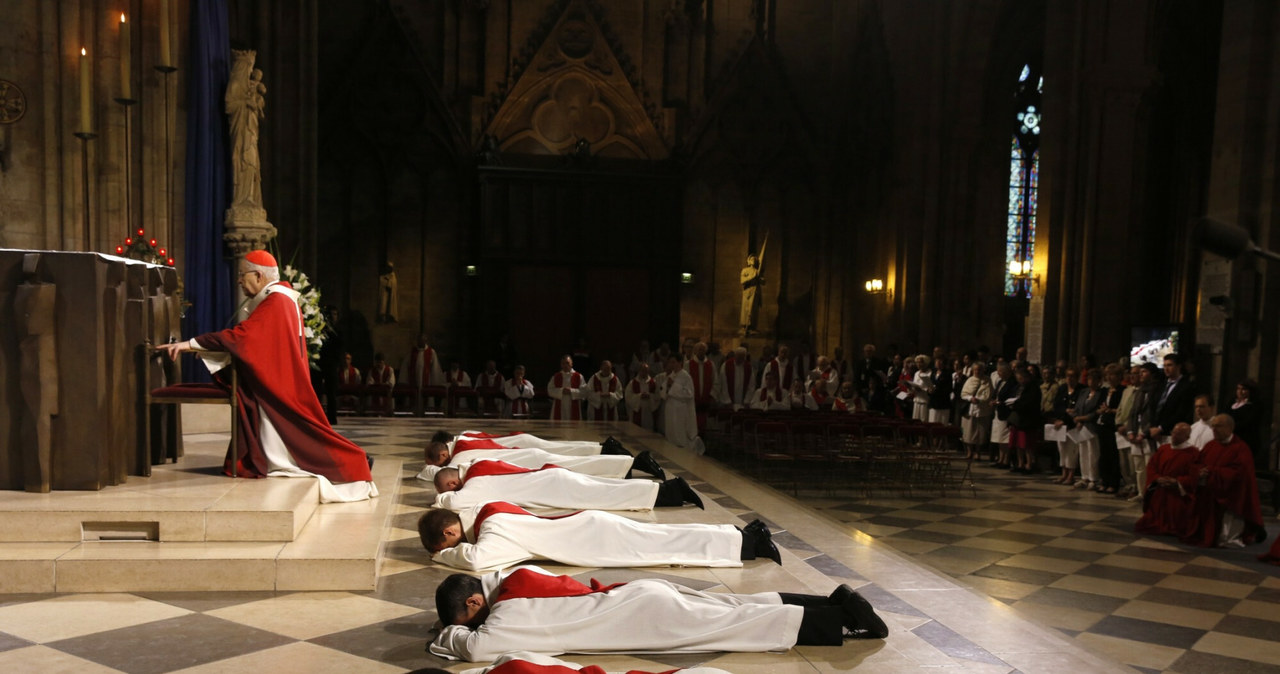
(13, 103)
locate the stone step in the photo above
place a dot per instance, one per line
(309, 546)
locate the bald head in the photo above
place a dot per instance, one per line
(1223, 426)
(1180, 434)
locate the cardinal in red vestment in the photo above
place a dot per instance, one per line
(283, 429)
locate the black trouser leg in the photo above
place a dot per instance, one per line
(805, 600)
(821, 625)
(749, 547)
(669, 496)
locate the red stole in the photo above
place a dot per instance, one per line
(461, 446)
(785, 372)
(604, 412)
(484, 379)
(349, 375)
(482, 434)
(819, 392)
(504, 508)
(424, 370)
(704, 377)
(557, 398)
(764, 394)
(457, 377)
(526, 584)
(382, 376)
(518, 405)
(637, 415)
(492, 468)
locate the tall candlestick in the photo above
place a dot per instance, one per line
(166, 57)
(86, 125)
(126, 91)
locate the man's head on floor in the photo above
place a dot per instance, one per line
(439, 529)
(436, 453)
(460, 601)
(448, 479)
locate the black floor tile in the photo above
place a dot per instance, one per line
(891, 521)
(1149, 632)
(1213, 573)
(1102, 536)
(1193, 662)
(1018, 574)
(401, 642)
(1122, 574)
(1270, 594)
(1084, 601)
(1156, 553)
(1204, 602)
(929, 536)
(971, 554)
(949, 642)
(194, 639)
(976, 521)
(1266, 630)
(792, 543)
(832, 568)
(942, 508)
(864, 508)
(415, 588)
(1073, 554)
(1051, 521)
(208, 601)
(883, 600)
(1018, 536)
(9, 642)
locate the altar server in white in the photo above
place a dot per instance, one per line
(552, 487)
(518, 392)
(528, 609)
(497, 535)
(737, 380)
(680, 418)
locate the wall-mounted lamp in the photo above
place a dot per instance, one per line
(1022, 271)
(472, 270)
(874, 286)
(686, 278)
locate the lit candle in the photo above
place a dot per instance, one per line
(126, 91)
(85, 103)
(165, 54)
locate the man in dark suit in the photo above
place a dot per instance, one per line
(1176, 400)
(870, 365)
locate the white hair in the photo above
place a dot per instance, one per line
(268, 273)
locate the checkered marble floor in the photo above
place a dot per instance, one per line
(936, 622)
(1069, 559)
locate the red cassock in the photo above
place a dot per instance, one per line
(1230, 487)
(1166, 511)
(274, 381)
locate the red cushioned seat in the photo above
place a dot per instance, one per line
(192, 391)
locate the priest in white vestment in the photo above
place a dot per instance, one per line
(679, 415)
(737, 380)
(642, 398)
(565, 391)
(603, 393)
(518, 391)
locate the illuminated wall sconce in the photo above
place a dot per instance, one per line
(1022, 271)
(875, 286)
(472, 271)
(686, 278)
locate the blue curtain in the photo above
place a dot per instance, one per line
(208, 272)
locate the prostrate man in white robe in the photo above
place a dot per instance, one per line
(554, 487)
(737, 380)
(439, 454)
(497, 535)
(520, 439)
(642, 398)
(527, 608)
(518, 392)
(603, 393)
(565, 390)
(679, 418)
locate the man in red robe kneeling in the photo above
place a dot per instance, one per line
(283, 429)
(1169, 495)
(1227, 510)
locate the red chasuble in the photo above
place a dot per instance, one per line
(1230, 487)
(489, 468)
(483, 435)
(526, 584)
(1166, 511)
(275, 380)
(481, 443)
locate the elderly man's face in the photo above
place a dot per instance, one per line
(1180, 434)
(251, 280)
(1222, 427)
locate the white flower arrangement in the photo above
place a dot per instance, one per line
(312, 316)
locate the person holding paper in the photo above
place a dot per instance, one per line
(1108, 450)
(1085, 433)
(1063, 421)
(975, 426)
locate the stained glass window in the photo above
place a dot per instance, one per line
(1024, 178)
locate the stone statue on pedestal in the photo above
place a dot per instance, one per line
(247, 228)
(752, 279)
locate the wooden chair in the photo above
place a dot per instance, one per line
(189, 394)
